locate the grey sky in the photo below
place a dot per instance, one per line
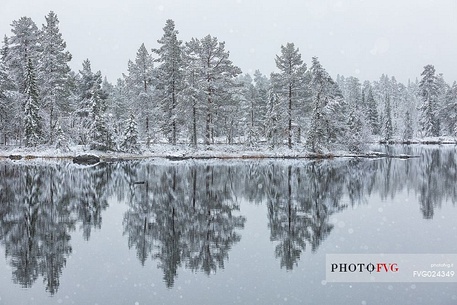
(361, 38)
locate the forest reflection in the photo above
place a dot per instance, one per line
(187, 214)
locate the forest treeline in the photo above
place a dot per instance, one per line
(192, 93)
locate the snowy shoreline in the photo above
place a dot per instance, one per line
(217, 151)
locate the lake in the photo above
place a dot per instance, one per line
(221, 232)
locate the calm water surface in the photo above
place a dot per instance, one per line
(256, 232)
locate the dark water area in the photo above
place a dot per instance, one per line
(218, 232)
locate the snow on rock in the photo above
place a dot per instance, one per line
(86, 159)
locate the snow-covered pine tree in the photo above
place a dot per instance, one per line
(249, 111)
(396, 106)
(23, 45)
(101, 136)
(7, 113)
(91, 98)
(443, 89)
(328, 121)
(169, 80)
(388, 131)
(33, 133)
(273, 121)
(193, 93)
(11, 101)
(61, 142)
(139, 84)
(358, 135)
(372, 112)
(216, 73)
(130, 141)
(450, 111)
(408, 131)
(428, 90)
(262, 87)
(54, 73)
(290, 84)
(119, 99)
(4, 50)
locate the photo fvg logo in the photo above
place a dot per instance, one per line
(391, 267)
(364, 267)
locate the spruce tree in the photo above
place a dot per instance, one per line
(130, 141)
(428, 90)
(273, 122)
(61, 139)
(359, 133)
(32, 121)
(248, 110)
(91, 102)
(408, 131)
(388, 131)
(372, 112)
(317, 137)
(450, 110)
(101, 137)
(262, 88)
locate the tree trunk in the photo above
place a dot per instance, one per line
(290, 117)
(51, 134)
(173, 118)
(194, 125)
(148, 139)
(208, 122)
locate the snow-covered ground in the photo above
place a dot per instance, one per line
(184, 151)
(222, 151)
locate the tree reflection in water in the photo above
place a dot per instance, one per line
(40, 205)
(184, 215)
(187, 214)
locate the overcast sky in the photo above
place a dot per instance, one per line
(362, 38)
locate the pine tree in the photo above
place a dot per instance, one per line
(54, 73)
(32, 120)
(6, 85)
(130, 141)
(169, 79)
(139, 84)
(428, 90)
(216, 73)
(23, 45)
(290, 84)
(193, 93)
